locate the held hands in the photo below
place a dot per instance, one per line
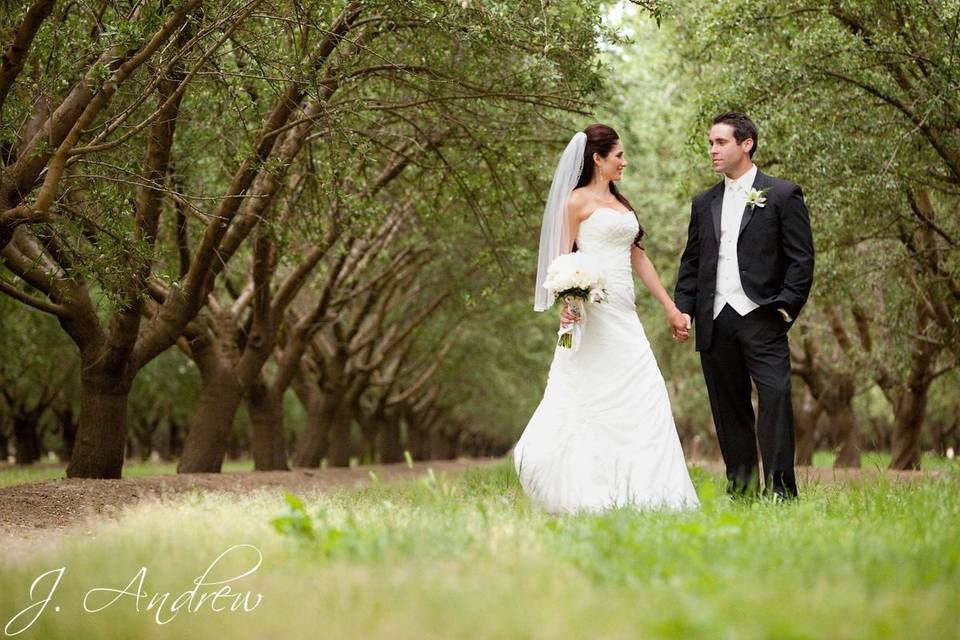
(680, 324)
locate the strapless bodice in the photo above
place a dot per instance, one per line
(608, 235)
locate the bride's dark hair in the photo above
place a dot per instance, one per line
(601, 139)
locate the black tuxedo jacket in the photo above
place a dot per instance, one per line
(774, 251)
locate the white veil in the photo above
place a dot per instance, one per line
(555, 233)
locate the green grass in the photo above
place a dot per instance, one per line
(881, 460)
(466, 556)
(12, 474)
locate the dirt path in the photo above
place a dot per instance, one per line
(29, 511)
(35, 507)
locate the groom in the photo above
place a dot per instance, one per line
(744, 276)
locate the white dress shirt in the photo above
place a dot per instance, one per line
(729, 288)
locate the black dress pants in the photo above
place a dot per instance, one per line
(744, 348)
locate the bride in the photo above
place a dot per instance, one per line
(603, 435)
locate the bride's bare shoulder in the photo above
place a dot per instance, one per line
(578, 205)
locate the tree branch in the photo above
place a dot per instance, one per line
(11, 64)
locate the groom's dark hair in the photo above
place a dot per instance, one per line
(743, 127)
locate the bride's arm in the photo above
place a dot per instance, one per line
(647, 273)
(574, 215)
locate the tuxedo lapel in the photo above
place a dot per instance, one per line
(759, 182)
(716, 210)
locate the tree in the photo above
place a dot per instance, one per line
(98, 158)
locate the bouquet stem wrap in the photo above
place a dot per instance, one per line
(571, 335)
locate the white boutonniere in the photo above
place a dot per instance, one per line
(757, 198)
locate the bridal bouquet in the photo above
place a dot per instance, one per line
(575, 278)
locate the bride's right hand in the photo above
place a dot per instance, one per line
(568, 316)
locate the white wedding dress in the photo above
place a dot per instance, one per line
(603, 435)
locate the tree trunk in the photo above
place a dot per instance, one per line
(368, 450)
(238, 446)
(206, 443)
(945, 436)
(368, 438)
(806, 412)
(101, 435)
(266, 416)
(340, 442)
(163, 440)
(26, 437)
(440, 444)
(312, 444)
(910, 411)
(141, 443)
(911, 404)
(388, 441)
(453, 438)
(846, 437)
(68, 432)
(838, 403)
(417, 441)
